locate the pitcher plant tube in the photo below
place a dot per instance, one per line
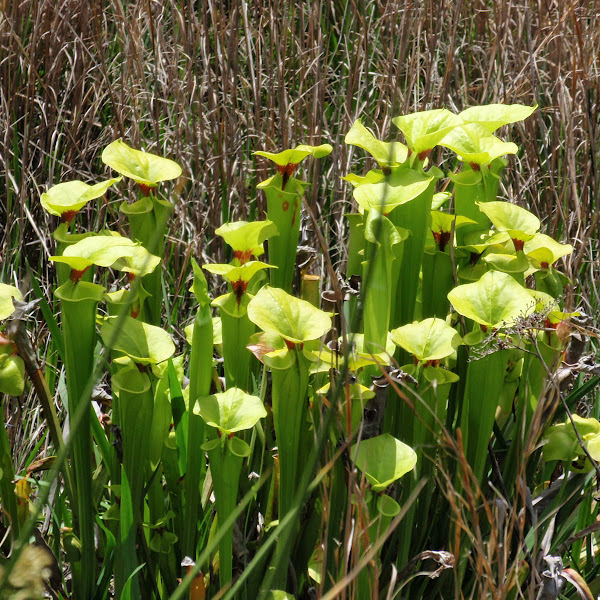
(284, 200)
(225, 414)
(149, 215)
(236, 327)
(288, 323)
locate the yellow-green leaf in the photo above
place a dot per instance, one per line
(507, 262)
(109, 250)
(387, 154)
(296, 155)
(431, 339)
(12, 375)
(233, 273)
(72, 196)
(493, 116)
(275, 311)
(403, 185)
(510, 217)
(425, 129)
(7, 293)
(496, 300)
(373, 176)
(142, 342)
(561, 442)
(544, 251)
(383, 460)
(247, 239)
(231, 411)
(143, 167)
(474, 144)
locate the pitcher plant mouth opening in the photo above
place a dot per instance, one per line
(292, 345)
(145, 189)
(519, 244)
(474, 257)
(243, 256)
(76, 274)
(68, 216)
(424, 154)
(286, 171)
(441, 238)
(239, 289)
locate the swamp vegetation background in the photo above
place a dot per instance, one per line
(207, 83)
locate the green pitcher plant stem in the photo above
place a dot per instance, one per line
(236, 327)
(417, 212)
(228, 412)
(429, 342)
(382, 460)
(283, 208)
(139, 350)
(78, 306)
(200, 374)
(384, 246)
(284, 200)
(288, 324)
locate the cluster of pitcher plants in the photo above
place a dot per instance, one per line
(297, 444)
